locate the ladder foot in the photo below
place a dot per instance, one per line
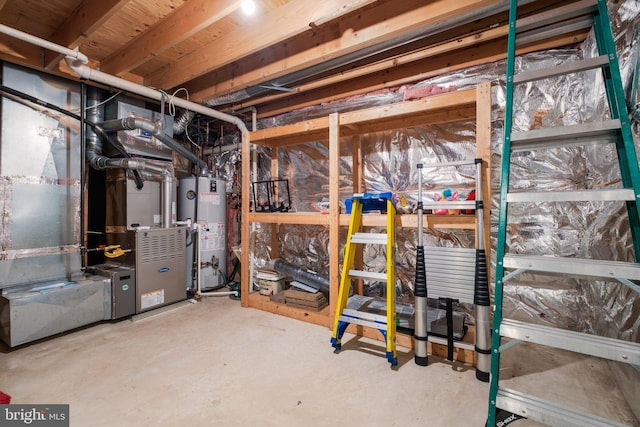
(335, 343)
(482, 376)
(392, 359)
(503, 418)
(422, 360)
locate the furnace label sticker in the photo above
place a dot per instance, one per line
(151, 299)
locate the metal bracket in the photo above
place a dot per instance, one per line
(513, 274)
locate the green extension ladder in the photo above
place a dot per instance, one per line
(506, 405)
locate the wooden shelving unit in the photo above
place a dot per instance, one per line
(442, 108)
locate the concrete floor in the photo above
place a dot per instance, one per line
(214, 363)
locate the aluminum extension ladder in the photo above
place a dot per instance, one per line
(582, 14)
(464, 279)
(361, 203)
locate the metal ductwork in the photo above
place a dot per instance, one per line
(133, 123)
(94, 114)
(95, 135)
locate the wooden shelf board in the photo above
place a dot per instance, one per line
(304, 131)
(404, 340)
(322, 318)
(463, 222)
(453, 114)
(442, 108)
(394, 116)
(306, 218)
(262, 302)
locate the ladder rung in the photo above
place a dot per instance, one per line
(547, 412)
(556, 15)
(464, 271)
(453, 204)
(462, 253)
(457, 344)
(361, 322)
(560, 136)
(374, 196)
(448, 164)
(369, 238)
(573, 196)
(553, 30)
(578, 342)
(575, 266)
(568, 68)
(368, 275)
(379, 318)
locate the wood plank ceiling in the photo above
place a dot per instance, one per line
(287, 55)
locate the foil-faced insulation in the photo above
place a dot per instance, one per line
(586, 229)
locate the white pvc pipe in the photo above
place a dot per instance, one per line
(218, 293)
(76, 61)
(98, 76)
(82, 58)
(196, 248)
(165, 198)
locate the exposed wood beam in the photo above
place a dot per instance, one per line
(470, 41)
(199, 91)
(64, 68)
(281, 24)
(357, 83)
(182, 23)
(377, 24)
(85, 20)
(19, 52)
(473, 40)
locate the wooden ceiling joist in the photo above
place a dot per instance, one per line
(470, 41)
(86, 19)
(184, 22)
(342, 38)
(285, 22)
(293, 19)
(20, 52)
(321, 50)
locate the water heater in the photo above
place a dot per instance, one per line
(204, 201)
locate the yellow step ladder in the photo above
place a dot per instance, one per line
(364, 203)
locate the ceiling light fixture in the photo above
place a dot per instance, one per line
(248, 7)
